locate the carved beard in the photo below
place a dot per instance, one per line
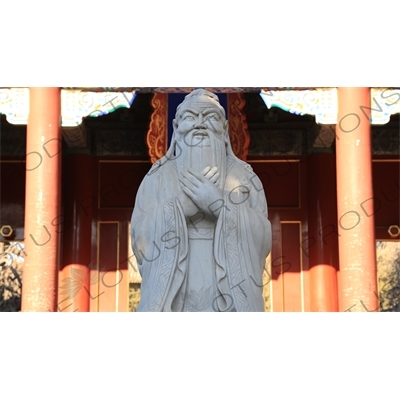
(200, 152)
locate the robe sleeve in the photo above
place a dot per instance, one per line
(159, 242)
(242, 243)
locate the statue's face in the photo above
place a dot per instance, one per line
(196, 121)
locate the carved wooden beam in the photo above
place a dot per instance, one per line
(238, 129)
(157, 134)
(168, 89)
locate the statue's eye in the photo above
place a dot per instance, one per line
(212, 117)
(188, 117)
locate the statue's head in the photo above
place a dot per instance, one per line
(199, 116)
(200, 137)
(200, 131)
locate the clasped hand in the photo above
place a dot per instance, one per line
(202, 190)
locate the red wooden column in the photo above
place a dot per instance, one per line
(322, 244)
(357, 276)
(42, 200)
(79, 202)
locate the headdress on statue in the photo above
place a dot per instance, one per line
(199, 97)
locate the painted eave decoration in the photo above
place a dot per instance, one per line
(322, 103)
(75, 104)
(94, 102)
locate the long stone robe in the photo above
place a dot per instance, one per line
(231, 252)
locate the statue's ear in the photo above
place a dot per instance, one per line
(174, 124)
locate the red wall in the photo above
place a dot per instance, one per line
(98, 197)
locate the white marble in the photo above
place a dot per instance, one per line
(200, 228)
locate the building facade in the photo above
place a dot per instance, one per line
(72, 160)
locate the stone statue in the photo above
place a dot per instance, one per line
(200, 228)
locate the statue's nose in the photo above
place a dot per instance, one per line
(200, 125)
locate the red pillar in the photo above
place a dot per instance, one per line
(42, 200)
(322, 229)
(79, 202)
(357, 276)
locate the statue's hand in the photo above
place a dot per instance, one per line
(211, 174)
(201, 189)
(189, 208)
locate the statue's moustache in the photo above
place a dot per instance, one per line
(199, 137)
(201, 134)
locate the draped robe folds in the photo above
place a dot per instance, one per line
(240, 242)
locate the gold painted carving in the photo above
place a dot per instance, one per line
(157, 134)
(238, 129)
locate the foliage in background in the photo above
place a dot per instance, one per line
(134, 296)
(388, 261)
(11, 266)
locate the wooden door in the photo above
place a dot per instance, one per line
(117, 185)
(286, 272)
